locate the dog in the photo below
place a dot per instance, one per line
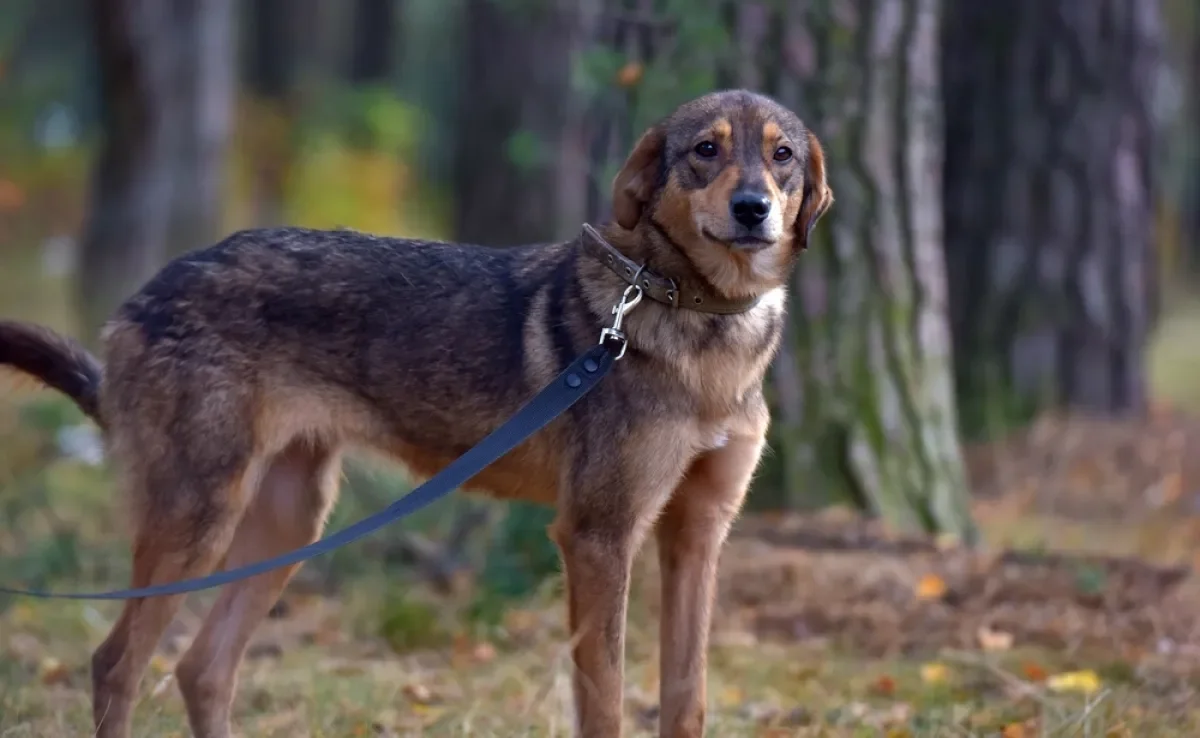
(232, 382)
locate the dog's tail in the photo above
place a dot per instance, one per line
(56, 360)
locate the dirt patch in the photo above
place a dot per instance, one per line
(1095, 468)
(843, 580)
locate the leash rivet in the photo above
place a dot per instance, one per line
(573, 381)
(590, 366)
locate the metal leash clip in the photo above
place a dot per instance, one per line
(620, 310)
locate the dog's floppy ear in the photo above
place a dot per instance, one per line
(817, 195)
(634, 184)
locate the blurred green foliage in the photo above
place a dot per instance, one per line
(520, 558)
(408, 623)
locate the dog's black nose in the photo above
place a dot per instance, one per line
(749, 208)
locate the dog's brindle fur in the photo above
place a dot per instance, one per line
(235, 377)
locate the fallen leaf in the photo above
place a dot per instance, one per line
(418, 693)
(994, 640)
(931, 587)
(12, 197)
(1085, 681)
(1013, 730)
(934, 673)
(52, 671)
(630, 74)
(884, 685)
(1033, 672)
(483, 652)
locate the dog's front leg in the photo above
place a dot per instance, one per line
(612, 494)
(690, 534)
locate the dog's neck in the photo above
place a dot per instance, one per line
(660, 269)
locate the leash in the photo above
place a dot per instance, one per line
(579, 378)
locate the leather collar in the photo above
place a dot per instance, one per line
(700, 297)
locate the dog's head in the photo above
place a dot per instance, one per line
(734, 179)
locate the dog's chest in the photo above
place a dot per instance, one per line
(719, 384)
(720, 379)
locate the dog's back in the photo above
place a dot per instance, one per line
(415, 329)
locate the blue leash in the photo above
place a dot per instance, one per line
(568, 388)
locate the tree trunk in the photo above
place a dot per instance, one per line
(1190, 198)
(166, 86)
(1049, 203)
(271, 70)
(512, 119)
(374, 40)
(868, 365)
(202, 110)
(129, 217)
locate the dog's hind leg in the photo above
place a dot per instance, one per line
(289, 511)
(185, 526)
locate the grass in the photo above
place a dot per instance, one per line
(325, 676)
(1173, 357)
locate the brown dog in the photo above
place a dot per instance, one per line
(234, 378)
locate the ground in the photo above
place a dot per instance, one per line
(1076, 618)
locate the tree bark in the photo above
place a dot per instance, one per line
(271, 54)
(374, 46)
(512, 120)
(271, 70)
(1049, 203)
(1191, 193)
(166, 86)
(202, 111)
(129, 216)
(868, 372)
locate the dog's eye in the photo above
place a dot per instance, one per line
(783, 153)
(706, 149)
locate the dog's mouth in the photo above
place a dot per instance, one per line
(740, 243)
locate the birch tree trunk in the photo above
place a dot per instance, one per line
(1049, 203)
